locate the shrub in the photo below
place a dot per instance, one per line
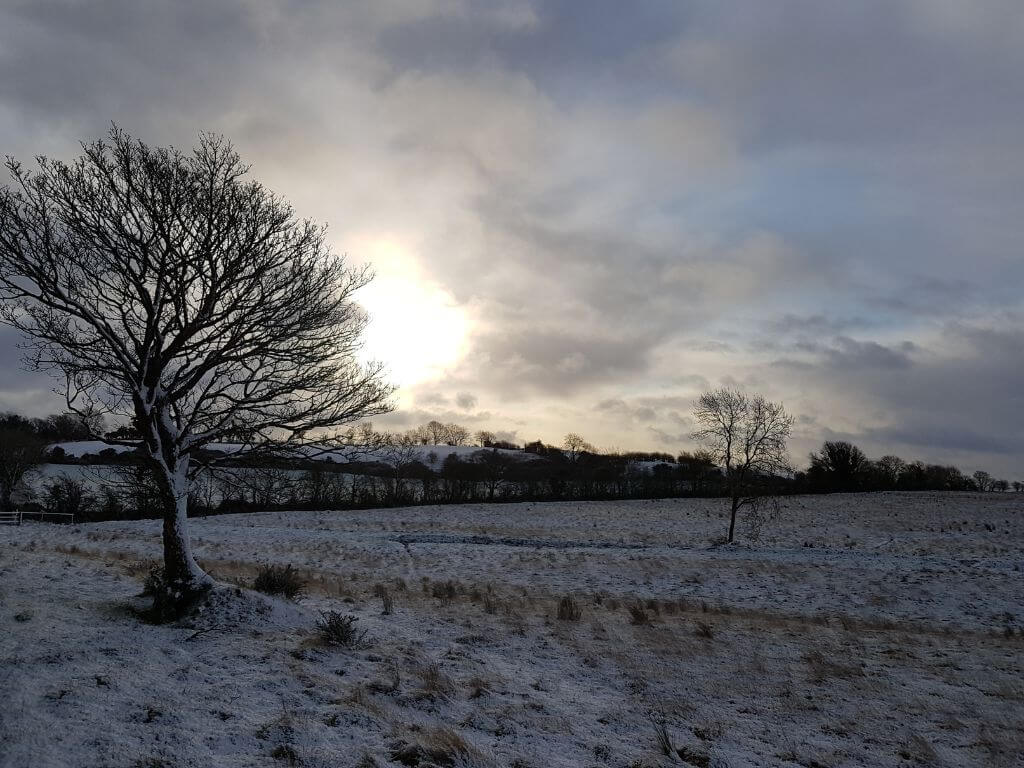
(568, 610)
(278, 580)
(339, 629)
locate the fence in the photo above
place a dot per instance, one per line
(17, 516)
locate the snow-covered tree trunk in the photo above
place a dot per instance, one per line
(181, 571)
(183, 578)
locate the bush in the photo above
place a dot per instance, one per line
(338, 629)
(278, 580)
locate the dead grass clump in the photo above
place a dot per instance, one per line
(917, 749)
(568, 609)
(387, 601)
(662, 736)
(338, 629)
(285, 753)
(433, 682)
(490, 604)
(278, 580)
(638, 615)
(705, 630)
(478, 686)
(822, 668)
(445, 591)
(438, 746)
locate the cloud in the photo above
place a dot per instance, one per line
(465, 400)
(819, 201)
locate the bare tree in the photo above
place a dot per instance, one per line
(484, 438)
(436, 431)
(398, 453)
(746, 435)
(21, 453)
(455, 434)
(175, 295)
(983, 480)
(575, 446)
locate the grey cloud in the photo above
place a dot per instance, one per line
(552, 361)
(815, 325)
(937, 439)
(465, 400)
(431, 398)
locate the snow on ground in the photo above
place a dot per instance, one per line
(860, 630)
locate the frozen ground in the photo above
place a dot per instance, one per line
(860, 630)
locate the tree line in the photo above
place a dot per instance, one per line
(396, 471)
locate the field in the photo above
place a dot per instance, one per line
(858, 630)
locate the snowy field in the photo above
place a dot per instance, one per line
(859, 630)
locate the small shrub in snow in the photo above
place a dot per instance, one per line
(568, 610)
(704, 630)
(278, 580)
(339, 629)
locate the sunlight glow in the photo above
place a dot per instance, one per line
(415, 328)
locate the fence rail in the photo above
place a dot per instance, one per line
(17, 516)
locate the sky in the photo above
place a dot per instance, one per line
(583, 214)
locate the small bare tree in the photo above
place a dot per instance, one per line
(746, 435)
(575, 446)
(176, 295)
(21, 453)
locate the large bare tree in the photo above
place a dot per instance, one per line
(745, 435)
(175, 294)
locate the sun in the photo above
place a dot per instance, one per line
(416, 328)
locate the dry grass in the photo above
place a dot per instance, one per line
(433, 683)
(568, 609)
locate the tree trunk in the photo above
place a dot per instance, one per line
(183, 579)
